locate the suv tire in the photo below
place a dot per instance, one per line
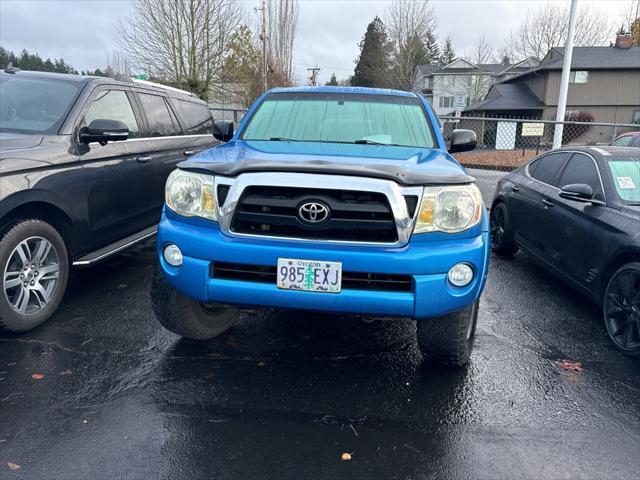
(187, 317)
(34, 269)
(449, 339)
(501, 234)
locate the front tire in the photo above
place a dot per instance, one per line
(621, 309)
(187, 317)
(449, 339)
(34, 269)
(501, 235)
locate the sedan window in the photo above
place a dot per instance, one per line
(626, 178)
(625, 141)
(582, 169)
(546, 168)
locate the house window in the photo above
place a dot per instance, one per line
(578, 76)
(636, 117)
(446, 102)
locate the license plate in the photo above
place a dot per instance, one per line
(309, 275)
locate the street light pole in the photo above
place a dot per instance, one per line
(564, 80)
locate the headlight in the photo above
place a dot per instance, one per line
(450, 209)
(191, 194)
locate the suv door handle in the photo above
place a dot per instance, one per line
(547, 203)
(143, 159)
(189, 152)
(515, 188)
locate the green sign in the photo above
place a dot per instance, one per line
(141, 76)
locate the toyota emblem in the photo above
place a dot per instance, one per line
(313, 212)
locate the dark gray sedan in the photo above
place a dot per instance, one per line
(577, 211)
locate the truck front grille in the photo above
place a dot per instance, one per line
(355, 216)
(350, 280)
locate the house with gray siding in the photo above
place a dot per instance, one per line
(604, 85)
(454, 86)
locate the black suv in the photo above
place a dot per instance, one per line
(83, 163)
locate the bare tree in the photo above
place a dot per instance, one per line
(411, 25)
(628, 13)
(118, 64)
(479, 83)
(181, 41)
(546, 27)
(283, 24)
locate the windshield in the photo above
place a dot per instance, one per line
(626, 178)
(34, 105)
(341, 118)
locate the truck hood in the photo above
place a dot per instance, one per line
(15, 141)
(404, 165)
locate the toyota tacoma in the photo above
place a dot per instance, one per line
(331, 199)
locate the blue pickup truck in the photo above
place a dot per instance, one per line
(330, 199)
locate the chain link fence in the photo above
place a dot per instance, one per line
(234, 115)
(506, 143)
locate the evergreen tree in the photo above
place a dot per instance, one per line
(372, 68)
(448, 54)
(33, 61)
(635, 32)
(333, 81)
(432, 48)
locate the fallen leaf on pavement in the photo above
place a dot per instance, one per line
(66, 372)
(570, 365)
(13, 466)
(346, 456)
(37, 376)
(261, 364)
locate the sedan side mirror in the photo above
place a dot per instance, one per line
(580, 192)
(223, 130)
(462, 140)
(102, 130)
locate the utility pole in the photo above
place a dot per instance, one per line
(264, 37)
(564, 80)
(313, 77)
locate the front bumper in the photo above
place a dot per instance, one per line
(427, 258)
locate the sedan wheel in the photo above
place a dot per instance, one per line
(621, 308)
(501, 239)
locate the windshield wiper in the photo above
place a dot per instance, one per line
(282, 139)
(364, 141)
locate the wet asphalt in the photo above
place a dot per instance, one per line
(103, 392)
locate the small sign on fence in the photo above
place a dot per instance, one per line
(532, 129)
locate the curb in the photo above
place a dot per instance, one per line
(501, 168)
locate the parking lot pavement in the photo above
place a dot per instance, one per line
(103, 392)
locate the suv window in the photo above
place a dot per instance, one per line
(161, 122)
(581, 169)
(546, 169)
(196, 117)
(113, 105)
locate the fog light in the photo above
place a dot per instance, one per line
(460, 275)
(173, 255)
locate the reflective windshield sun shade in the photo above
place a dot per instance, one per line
(341, 118)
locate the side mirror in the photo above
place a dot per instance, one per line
(463, 140)
(102, 131)
(223, 130)
(580, 192)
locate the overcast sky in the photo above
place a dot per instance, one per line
(83, 32)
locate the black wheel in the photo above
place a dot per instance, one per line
(188, 317)
(621, 309)
(449, 339)
(34, 268)
(501, 235)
